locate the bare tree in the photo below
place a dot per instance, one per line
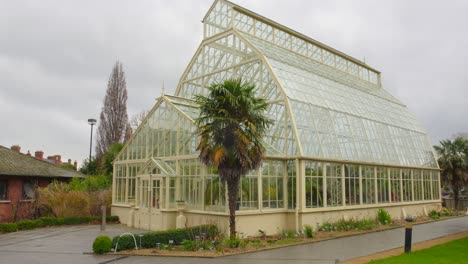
(137, 119)
(134, 123)
(114, 118)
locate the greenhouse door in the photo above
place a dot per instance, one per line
(150, 203)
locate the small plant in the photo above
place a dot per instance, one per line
(208, 245)
(102, 244)
(383, 217)
(288, 234)
(244, 242)
(256, 241)
(271, 241)
(189, 245)
(347, 225)
(309, 232)
(434, 215)
(262, 233)
(447, 212)
(218, 247)
(232, 243)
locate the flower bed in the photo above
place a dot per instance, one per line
(215, 245)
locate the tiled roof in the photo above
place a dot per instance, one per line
(17, 164)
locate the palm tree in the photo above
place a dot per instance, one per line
(231, 125)
(453, 160)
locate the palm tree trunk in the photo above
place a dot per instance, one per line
(233, 194)
(455, 188)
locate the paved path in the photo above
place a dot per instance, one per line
(67, 244)
(56, 244)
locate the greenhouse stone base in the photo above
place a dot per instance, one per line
(249, 223)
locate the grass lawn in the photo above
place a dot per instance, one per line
(455, 251)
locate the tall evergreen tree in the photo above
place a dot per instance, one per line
(113, 120)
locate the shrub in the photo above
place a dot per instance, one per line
(434, 215)
(231, 243)
(59, 200)
(29, 224)
(308, 231)
(99, 198)
(149, 240)
(189, 245)
(8, 227)
(91, 183)
(383, 217)
(102, 244)
(112, 219)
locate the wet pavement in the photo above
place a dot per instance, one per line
(69, 245)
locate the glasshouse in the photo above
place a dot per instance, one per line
(340, 146)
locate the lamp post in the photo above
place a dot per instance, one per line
(92, 122)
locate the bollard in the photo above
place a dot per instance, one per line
(408, 234)
(103, 222)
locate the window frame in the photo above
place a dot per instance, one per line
(34, 184)
(5, 196)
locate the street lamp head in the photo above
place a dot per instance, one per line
(92, 121)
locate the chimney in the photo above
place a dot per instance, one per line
(39, 154)
(16, 148)
(28, 154)
(69, 161)
(75, 164)
(51, 158)
(58, 159)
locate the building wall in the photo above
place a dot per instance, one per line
(15, 204)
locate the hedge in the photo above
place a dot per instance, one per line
(29, 224)
(52, 221)
(8, 227)
(112, 219)
(149, 240)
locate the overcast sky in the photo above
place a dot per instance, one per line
(56, 57)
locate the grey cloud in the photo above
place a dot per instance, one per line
(56, 56)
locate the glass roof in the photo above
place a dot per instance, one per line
(157, 167)
(343, 118)
(324, 104)
(224, 14)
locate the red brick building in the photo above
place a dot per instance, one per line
(20, 174)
